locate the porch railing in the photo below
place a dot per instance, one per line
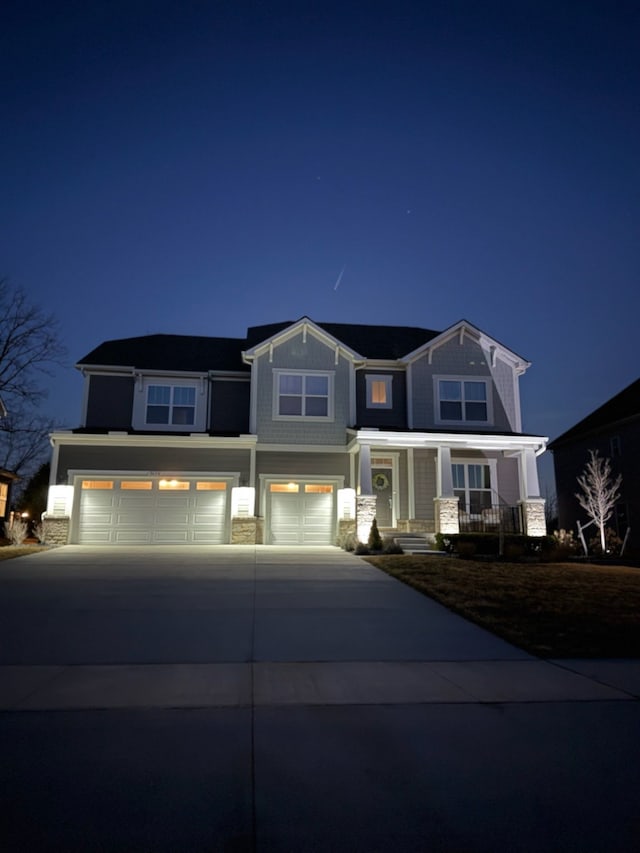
(494, 519)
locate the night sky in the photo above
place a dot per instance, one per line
(198, 167)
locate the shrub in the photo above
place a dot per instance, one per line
(17, 533)
(466, 549)
(375, 540)
(361, 549)
(613, 544)
(40, 533)
(391, 547)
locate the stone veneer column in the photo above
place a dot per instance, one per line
(365, 513)
(446, 514)
(56, 529)
(535, 523)
(244, 530)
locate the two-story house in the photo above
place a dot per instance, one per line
(298, 434)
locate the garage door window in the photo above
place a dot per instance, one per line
(97, 484)
(174, 485)
(318, 489)
(206, 486)
(136, 485)
(284, 487)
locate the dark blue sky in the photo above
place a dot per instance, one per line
(197, 167)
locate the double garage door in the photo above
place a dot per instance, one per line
(301, 513)
(129, 511)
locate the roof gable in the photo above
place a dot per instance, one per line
(464, 328)
(305, 326)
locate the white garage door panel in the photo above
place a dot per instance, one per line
(302, 518)
(152, 517)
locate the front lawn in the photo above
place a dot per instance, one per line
(548, 609)
(9, 551)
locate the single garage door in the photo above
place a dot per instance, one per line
(153, 512)
(301, 513)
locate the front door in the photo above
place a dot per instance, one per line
(382, 482)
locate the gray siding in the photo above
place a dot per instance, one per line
(229, 406)
(295, 354)
(296, 465)
(424, 462)
(396, 417)
(508, 480)
(151, 459)
(110, 402)
(466, 359)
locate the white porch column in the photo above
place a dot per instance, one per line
(366, 488)
(529, 486)
(444, 476)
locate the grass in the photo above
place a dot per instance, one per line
(7, 552)
(548, 609)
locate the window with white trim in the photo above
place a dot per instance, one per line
(303, 395)
(378, 391)
(171, 404)
(472, 485)
(463, 401)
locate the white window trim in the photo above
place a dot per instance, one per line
(330, 416)
(436, 400)
(388, 381)
(139, 419)
(492, 464)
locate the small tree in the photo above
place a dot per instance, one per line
(375, 540)
(599, 492)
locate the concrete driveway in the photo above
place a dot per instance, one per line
(243, 698)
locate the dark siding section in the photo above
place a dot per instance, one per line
(395, 417)
(156, 460)
(110, 403)
(229, 406)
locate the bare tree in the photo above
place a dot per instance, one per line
(600, 492)
(29, 349)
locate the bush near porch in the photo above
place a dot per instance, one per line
(549, 609)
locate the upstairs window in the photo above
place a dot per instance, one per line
(462, 401)
(378, 392)
(171, 404)
(303, 395)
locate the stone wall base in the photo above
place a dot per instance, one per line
(243, 530)
(533, 518)
(346, 533)
(446, 513)
(365, 513)
(416, 525)
(56, 529)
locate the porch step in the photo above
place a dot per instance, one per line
(414, 543)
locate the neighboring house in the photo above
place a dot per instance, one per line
(613, 430)
(300, 433)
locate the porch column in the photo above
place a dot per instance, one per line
(446, 503)
(532, 504)
(366, 488)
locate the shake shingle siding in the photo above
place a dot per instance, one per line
(297, 354)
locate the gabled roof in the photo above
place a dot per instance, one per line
(169, 352)
(623, 407)
(461, 328)
(202, 354)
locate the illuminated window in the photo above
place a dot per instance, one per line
(4, 491)
(209, 486)
(136, 485)
(318, 488)
(472, 485)
(171, 404)
(462, 401)
(97, 484)
(378, 391)
(303, 395)
(293, 488)
(174, 485)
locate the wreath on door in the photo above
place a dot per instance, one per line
(380, 482)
